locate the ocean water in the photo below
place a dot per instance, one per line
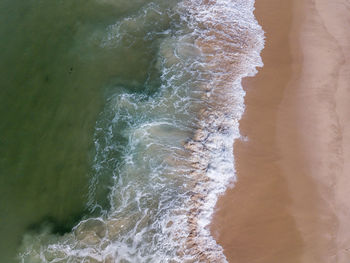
(117, 124)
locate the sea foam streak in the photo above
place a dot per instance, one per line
(178, 155)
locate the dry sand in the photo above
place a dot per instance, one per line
(292, 199)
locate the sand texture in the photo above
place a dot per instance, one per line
(292, 199)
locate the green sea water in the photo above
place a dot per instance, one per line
(54, 79)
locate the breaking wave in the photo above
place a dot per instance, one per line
(164, 158)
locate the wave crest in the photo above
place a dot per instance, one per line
(177, 155)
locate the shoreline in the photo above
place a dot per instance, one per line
(290, 200)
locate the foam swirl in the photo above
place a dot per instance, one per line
(177, 154)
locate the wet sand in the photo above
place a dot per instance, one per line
(291, 202)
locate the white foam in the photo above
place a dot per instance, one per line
(178, 155)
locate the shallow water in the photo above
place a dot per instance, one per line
(118, 119)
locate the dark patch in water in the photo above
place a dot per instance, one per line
(57, 227)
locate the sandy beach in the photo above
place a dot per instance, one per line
(291, 200)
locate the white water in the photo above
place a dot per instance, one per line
(177, 157)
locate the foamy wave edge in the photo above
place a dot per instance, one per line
(229, 40)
